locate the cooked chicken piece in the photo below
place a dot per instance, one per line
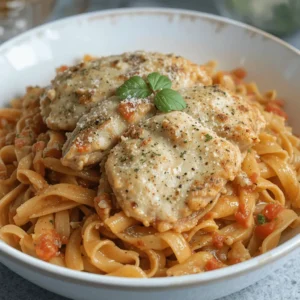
(105, 199)
(100, 129)
(74, 91)
(168, 168)
(230, 116)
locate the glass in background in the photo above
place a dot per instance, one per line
(200, 5)
(17, 16)
(280, 17)
(66, 8)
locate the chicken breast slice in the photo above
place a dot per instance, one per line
(105, 200)
(230, 116)
(169, 169)
(100, 129)
(74, 91)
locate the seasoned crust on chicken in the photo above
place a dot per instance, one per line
(74, 91)
(229, 116)
(168, 168)
(100, 129)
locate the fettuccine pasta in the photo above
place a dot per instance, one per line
(57, 214)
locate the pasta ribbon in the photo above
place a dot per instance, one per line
(72, 219)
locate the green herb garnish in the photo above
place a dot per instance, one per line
(159, 82)
(182, 154)
(208, 137)
(165, 98)
(135, 87)
(261, 219)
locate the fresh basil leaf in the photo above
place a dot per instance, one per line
(167, 100)
(158, 82)
(135, 87)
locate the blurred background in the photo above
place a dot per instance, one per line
(279, 17)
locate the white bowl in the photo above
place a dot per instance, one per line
(31, 58)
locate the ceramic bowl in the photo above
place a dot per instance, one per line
(31, 59)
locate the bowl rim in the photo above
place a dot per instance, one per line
(97, 280)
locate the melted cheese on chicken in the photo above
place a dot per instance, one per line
(100, 129)
(168, 168)
(230, 116)
(74, 91)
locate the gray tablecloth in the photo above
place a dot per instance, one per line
(281, 285)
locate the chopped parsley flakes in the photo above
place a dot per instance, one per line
(208, 137)
(261, 219)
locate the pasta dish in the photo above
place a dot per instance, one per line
(147, 165)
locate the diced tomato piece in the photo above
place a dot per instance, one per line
(253, 177)
(212, 264)
(241, 218)
(242, 215)
(272, 210)
(240, 73)
(81, 146)
(218, 240)
(127, 110)
(262, 231)
(62, 68)
(276, 110)
(47, 245)
(279, 102)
